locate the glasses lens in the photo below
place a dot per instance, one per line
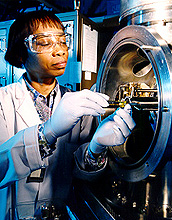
(45, 43)
(42, 43)
(68, 40)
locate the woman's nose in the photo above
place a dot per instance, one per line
(59, 50)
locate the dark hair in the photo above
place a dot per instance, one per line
(21, 28)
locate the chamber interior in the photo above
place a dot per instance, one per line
(130, 79)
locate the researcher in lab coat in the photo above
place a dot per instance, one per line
(46, 131)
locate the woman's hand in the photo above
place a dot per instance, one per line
(71, 108)
(113, 130)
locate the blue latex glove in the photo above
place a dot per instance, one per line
(71, 108)
(113, 130)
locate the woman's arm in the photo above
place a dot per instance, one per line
(19, 155)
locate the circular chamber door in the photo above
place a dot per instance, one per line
(136, 69)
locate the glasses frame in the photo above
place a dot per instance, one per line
(28, 41)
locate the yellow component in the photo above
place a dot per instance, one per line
(122, 104)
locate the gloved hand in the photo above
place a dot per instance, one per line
(70, 109)
(113, 130)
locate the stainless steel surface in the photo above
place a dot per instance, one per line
(155, 13)
(137, 66)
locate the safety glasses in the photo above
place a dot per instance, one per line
(46, 42)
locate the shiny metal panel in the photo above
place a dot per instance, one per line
(156, 14)
(137, 65)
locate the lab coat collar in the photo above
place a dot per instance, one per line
(25, 106)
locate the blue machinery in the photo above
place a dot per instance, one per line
(137, 67)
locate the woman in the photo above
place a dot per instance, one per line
(45, 127)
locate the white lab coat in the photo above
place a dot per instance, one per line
(19, 155)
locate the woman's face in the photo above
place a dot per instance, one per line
(44, 66)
